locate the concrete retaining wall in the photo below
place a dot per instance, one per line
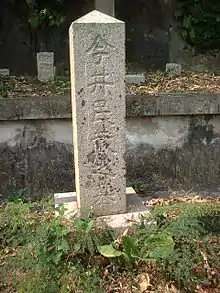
(173, 142)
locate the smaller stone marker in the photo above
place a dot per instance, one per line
(135, 78)
(4, 72)
(45, 66)
(105, 6)
(173, 69)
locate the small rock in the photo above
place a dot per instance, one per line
(173, 69)
(135, 78)
(4, 72)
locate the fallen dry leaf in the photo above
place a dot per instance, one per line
(156, 82)
(166, 200)
(14, 252)
(144, 282)
(187, 82)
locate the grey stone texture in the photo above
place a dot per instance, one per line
(4, 72)
(135, 78)
(105, 6)
(35, 108)
(172, 142)
(36, 156)
(165, 104)
(45, 66)
(174, 152)
(173, 69)
(97, 62)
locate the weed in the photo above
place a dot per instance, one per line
(16, 196)
(3, 87)
(190, 227)
(39, 254)
(15, 222)
(86, 238)
(139, 186)
(158, 245)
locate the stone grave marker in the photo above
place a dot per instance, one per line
(173, 69)
(45, 66)
(97, 56)
(97, 62)
(105, 6)
(137, 78)
(4, 72)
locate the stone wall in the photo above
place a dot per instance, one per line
(173, 142)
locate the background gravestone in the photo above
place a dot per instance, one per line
(105, 6)
(4, 72)
(45, 66)
(97, 59)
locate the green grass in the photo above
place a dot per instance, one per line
(38, 253)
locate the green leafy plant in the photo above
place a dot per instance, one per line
(40, 13)
(15, 221)
(174, 243)
(134, 250)
(60, 210)
(38, 253)
(3, 87)
(188, 224)
(199, 23)
(138, 186)
(55, 246)
(86, 238)
(39, 16)
(16, 196)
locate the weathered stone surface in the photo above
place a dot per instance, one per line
(36, 156)
(173, 69)
(174, 153)
(45, 66)
(133, 202)
(165, 104)
(97, 56)
(105, 6)
(35, 108)
(174, 147)
(119, 223)
(162, 153)
(134, 78)
(4, 72)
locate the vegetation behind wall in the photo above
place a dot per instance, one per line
(199, 23)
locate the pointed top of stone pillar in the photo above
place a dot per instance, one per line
(96, 16)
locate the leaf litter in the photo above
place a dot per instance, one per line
(155, 82)
(27, 86)
(182, 197)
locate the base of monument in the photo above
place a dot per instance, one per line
(118, 222)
